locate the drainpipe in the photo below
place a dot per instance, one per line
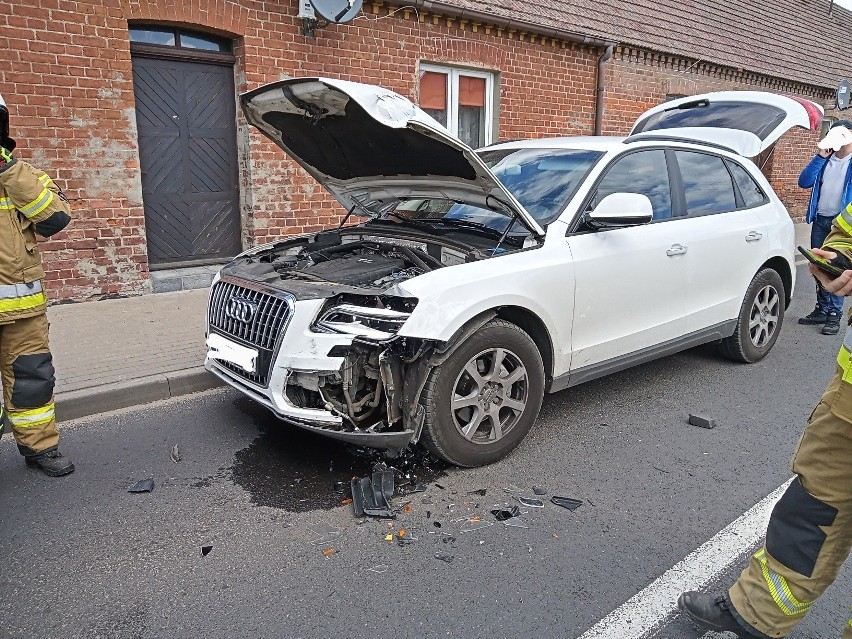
(599, 94)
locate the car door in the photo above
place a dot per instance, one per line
(629, 291)
(724, 231)
(745, 122)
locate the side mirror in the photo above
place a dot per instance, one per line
(621, 209)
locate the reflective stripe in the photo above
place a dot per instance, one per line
(6, 203)
(39, 204)
(843, 357)
(779, 589)
(20, 290)
(45, 179)
(22, 303)
(35, 417)
(844, 220)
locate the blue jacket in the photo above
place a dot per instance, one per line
(811, 177)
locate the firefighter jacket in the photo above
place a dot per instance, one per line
(840, 241)
(30, 203)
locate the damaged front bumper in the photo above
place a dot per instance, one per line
(338, 385)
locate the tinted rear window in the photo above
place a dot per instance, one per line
(760, 119)
(707, 184)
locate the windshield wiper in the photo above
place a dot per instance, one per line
(453, 221)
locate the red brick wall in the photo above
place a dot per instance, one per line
(638, 80)
(66, 75)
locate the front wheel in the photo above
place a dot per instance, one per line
(760, 319)
(483, 399)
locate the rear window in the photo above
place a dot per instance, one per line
(707, 185)
(751, 193)
(760, 119)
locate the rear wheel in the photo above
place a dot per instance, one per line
(483, 399)
(760, 319)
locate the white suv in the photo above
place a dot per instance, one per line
(483, 279)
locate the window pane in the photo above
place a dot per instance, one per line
(208, 43)
(153, 36)
(752, 194)
(644, 172)
(440, 116)
(707, 184)
(472, 126)
(471, 91)
(433, 91)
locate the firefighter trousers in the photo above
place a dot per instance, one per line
(810, 530)
(26, 367)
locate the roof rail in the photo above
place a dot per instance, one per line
(641, 137)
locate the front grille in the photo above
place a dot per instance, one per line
(269, 316)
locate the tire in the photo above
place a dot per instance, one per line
(760, 319)
(465, 435)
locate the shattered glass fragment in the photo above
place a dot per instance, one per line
(205, 550)
(475, 524)
(502, 514)
(567, 502)
(531, 503)
(512, 489)
(516, 522)
(340, 486)
(449, 539)
(444, 556)
(379, 569)
(426, 501)
(142, 486)
(406, 541)
(419, 488)
(539, 490)
(324, 533)
(175, 453)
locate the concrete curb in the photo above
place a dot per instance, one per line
(133, 392)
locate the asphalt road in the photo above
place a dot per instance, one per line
(82, 557)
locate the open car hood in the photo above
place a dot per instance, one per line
(369, 146)
(746, 122)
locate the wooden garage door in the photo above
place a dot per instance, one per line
(186, 119)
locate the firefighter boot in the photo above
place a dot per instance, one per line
(711, 613)
(51, 463)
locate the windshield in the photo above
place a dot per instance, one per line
(542, 180)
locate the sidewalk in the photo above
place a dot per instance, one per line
(117, 353)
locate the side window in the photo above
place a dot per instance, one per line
(707, 185)
(751, 193)
(644, 172)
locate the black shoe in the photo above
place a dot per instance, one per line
(710, 613)
(51, 463)
(816, 316)
(832, 324)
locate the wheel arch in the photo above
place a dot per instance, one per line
(782, 267)
(533, 326)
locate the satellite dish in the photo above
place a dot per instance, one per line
(337, 11)
(843, 95)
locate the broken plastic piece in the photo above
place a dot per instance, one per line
(379, 569)
(142, 486)
(406, 541)
(205, 550)
(702, 421)
(371, 495)
(567, 502)
(407, 508)
(324, 533)
(531, 503)
(475, 524)
(389, 537)
(441, 487)
(437, 524)
(444, 556)
(539, 490)
(345, 502)
(328, 552)
(428, 514)
(175, 453)
(401, 533)
(502, 514)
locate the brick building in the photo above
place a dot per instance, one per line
(130, 103)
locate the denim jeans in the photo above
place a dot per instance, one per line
(826, 302)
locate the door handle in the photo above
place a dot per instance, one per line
(753, 236)
(676, 249)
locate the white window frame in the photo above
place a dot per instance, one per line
(453, 96)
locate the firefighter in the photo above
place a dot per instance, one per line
(30, 203)
(810, 530)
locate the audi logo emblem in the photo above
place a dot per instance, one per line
(240, 309)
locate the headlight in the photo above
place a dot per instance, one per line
(364, 321)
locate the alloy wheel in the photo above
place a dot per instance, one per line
(490, 395)
(763, 320)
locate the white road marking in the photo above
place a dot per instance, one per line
(646, 611)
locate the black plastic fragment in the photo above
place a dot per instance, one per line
(702, 421)
(437, 524)
(441, 487)
(205, 550)
(539, 490)
(502, 514)
(481, 492)
(142, 486)
(371, 495)
(567, 502)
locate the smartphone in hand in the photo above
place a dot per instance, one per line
(833, 267)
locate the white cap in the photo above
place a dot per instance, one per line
(837, 137)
